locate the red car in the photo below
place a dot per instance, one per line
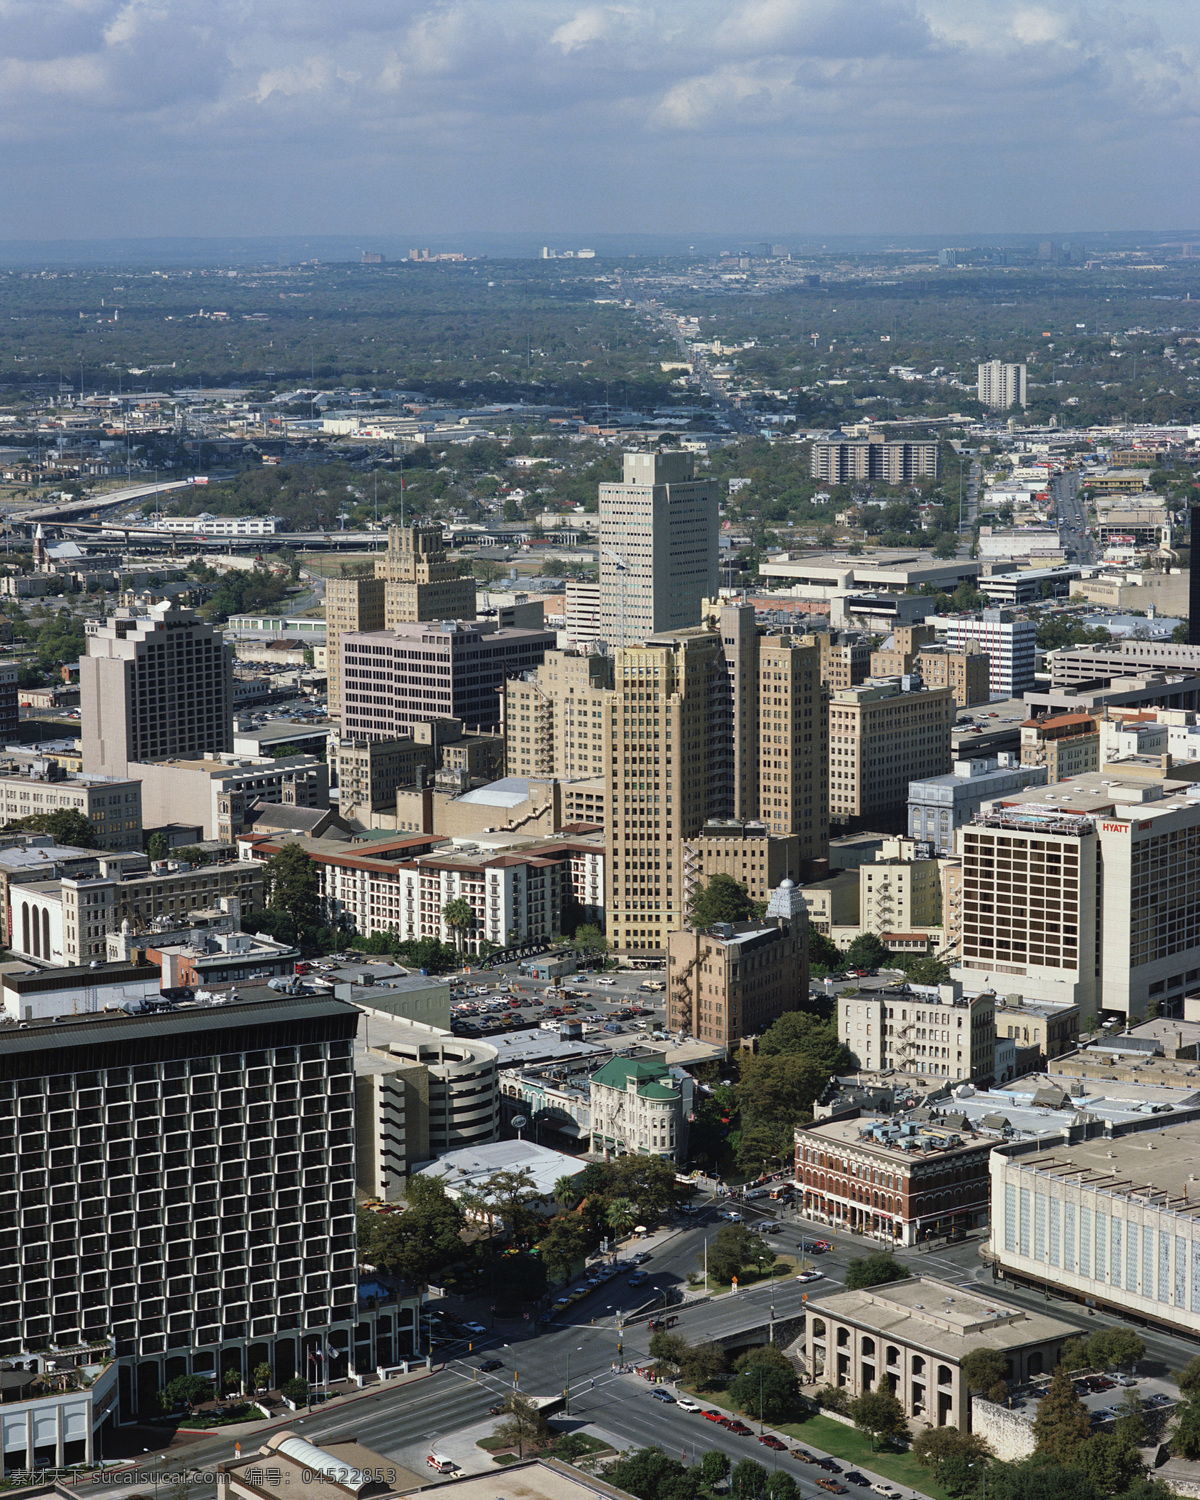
(768, 1441)
(740, 1429)
(713, 1416)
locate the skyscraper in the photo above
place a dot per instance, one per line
(658, 547)
(414, 580)
(156, 686)
(1001, 385)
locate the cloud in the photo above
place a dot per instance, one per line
(583, 110)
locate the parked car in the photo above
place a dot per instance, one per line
(886, 1491)
(830, 1465)
(660, 1395)
(852, 1476)
(833, 1486)
(740, 1429)
(473, 1328)
(685, 1404)
(804, 1455)
(712, 1416)
(810, 1276)
(768, 1440)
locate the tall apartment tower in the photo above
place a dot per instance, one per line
(658, 547)
(182, 1186)
(414, 580)
(157, 686)
(556, 719)
(1002, 386)
(670, 763)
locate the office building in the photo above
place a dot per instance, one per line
(10, 716)
(845, 659)
(112, 804)
(966, 673)
(1104, 1215)
(902, 1182)
(845, 460)
(215, 794)
(938, 806)
(1001, 385)
(153, 687)
(671, 763)
(556, 718)
(640, 1107)
(1084, 898)
(66, 922)
(658, 547)
(199, 1216)
(1010, 646)
(745, 850)
(352, 605)
(415, 672)
(933, 1032)
(440, 754)
(880, 738)
(581, 612)
(912, 1337)
(414, 580)
(1064, 745)
(899, 893)
(1127, 658)
(733, 980)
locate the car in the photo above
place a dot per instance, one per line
(804, 1455)
(497, 1409)
(739, 1429)
(638, 1277)
(852, 1476)
(771, 1228)
(640, 1258)
(489, 1365)
(730, 1215)
(605, 981)
(769, 1440)
(830, 1465)
(1127, 1380)
(713, 1416)
(886, 1490)
(833, 1486)
(684, 1404)
(660, 1395)
(810, 1276)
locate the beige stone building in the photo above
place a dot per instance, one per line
(414, 580)
(1066, 744)
(556, 719)
(965, 673)
(933, 1033)
(912, 1337)
(744, 850)
(734, 979)
(442, 753)
(880, 739)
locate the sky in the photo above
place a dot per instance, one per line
(561, 119)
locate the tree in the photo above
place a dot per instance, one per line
(418, 1242)
(667, 1348)
(778, 1090)
(765, 1387)
(874, 1270)
(1074, 1354)
(802, 1034)
(523, 1426)
(1109, 1462)
(508, 1195)
(565, 1245)
(927, 970)
(867, 952)
(746, 1479)
(291, 887)
(232, 1380)
(700, 1364)
(589, 939)
(1185, 1441)
(1111, 1347)
(1130, 1425)
(983, 1369)
(295, 1389)
(459, 917)
(621, 1216)
(650, 1475)
(781, 1486)
(945, 545)
(565, 1191)
(262, 1377)
(733, 1248)
(935, 1448)
(714, 1468)
(156, 846)
(186, 1391)
(723, 899)
(1062, 1423)
(823, 956)
(647, 1181)
(880, 1414)
(66, 825)
(1188, 1379)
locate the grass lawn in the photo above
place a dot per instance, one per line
(785, 1266)
(843, 1442)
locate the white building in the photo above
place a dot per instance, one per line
(658, 547)
(1002, 385)
(639, 1107)
(112, 804)
(581, 623)
(206, 525)
(1010, 646)
(215, 792)
(933, 1031)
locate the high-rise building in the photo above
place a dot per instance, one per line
(793, 744)
(844, 460)
(414, 672)
(938, 1033)
(154, 686)
(1002, 385)
(881, 738)
(658, 547)
(670, 763)
(414, 580)
(556, 717)
(1010, 646)
(181, 1185)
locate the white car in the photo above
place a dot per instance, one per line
(809, 1276)
(606, 981)
(731, 1215)
(684, 1404)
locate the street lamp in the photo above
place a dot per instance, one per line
(567, 1387)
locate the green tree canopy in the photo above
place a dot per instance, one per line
(1110, 1348)
(867, 952)
(823, 956)
(723, 899)
(66, 825)
(983, 1369)
(765, 1386)
(747, 1479)
(880, 1414)
(419, 1242)
(936, 1447)
(459, 916)
(802, 1034)
(874, 1270)
(1062, 1423)
(292, 887)
(1110, 1462)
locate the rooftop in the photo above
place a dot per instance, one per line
(473, 1165)
(1153, 1165)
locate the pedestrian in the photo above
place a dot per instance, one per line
(592, 1387)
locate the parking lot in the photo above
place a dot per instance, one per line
(609, 1005)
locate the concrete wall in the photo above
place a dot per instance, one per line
(1010, 1433)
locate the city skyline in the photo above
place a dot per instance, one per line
(684, 118)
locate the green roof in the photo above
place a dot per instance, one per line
(649, 1073)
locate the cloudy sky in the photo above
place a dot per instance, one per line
(567, 118)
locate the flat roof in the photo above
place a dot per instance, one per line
(939, 1316)
(1155, 1165)
(473, 1165)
